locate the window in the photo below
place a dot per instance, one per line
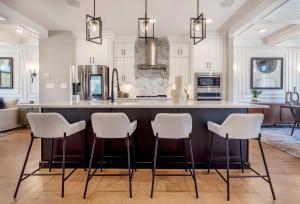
(6, 73)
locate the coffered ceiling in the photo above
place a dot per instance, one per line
(120, 16)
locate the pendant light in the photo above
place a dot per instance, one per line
(94, 27)
(146, 25)
(198, 27)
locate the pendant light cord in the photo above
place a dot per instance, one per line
(198, 8)
(146, 7)
(94, 8)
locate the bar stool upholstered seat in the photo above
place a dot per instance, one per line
(50, 126)
(173, 127)
(112, 126)
(239, 127)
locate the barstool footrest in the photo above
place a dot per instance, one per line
(173, 175)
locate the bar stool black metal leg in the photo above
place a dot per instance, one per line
(102, 155)
(227, 168)
(24, 166)
(193, 166)
(154, 165)
(185, 156)
(63, 166)
(51, 155)
(266, 167)
(133, 150)
(90, 166)
(210, 151)
(241, 155)
(83, 149)
(293, 128)
(129, 167)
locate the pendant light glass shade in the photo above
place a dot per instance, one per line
(146, 26)
(198, 27)
(94, 28)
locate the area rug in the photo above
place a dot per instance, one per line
(280, 138)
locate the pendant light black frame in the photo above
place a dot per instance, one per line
(193, 22)
(146, 21)
(89, 19)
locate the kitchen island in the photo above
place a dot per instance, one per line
(144, 111)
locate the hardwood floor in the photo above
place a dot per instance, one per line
(285, 173)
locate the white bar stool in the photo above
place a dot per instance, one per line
(239, 127)
(50, 126)
(112, 126)
(173, 126)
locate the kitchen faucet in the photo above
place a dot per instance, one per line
(112, 97)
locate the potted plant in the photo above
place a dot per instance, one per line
(255, 95)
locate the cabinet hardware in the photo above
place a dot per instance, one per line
(90, 60)
(181, 51)
(124, 52)
(178, 51)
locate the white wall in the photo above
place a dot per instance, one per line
(241, 75)
(25, 59)
(56, 57)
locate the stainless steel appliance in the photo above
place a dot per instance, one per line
(90, 82)
(208, 86)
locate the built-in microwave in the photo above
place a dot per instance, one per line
(208, 86)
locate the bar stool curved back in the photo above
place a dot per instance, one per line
(51, 126)
(112, 126)
(173, 126)
(239, 127)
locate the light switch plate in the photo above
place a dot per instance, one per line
(50, 85)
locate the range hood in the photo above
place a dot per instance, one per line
(151, 56)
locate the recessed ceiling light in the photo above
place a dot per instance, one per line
(74, 3)
(19, 29)
(262, 30)
(226, 3)
(209, 20)
(2, 18)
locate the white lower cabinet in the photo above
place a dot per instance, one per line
(179, 66)
(126, 70)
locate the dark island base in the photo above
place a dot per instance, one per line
(144, 140)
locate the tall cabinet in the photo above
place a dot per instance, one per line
(124, 61)
(180, 61)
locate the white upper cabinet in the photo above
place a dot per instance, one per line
(91, 53)
(180, 61)
(124, 50)
(179, 50)
(208, 55)
(124, 61)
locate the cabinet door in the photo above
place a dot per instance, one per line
(200, 56)
(124, 50)
(184, 69)
(119, 64)
(185, 50)
(128, 70)
(173, 70)
(83, 52)
(100, 53)
(216, 54)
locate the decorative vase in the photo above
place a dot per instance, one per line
(255, 99)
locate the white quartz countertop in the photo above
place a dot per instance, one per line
(139, 103)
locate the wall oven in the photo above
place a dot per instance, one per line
(208, 86)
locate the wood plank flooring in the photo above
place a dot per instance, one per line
(285, 172)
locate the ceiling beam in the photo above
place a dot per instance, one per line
(251, 12)
(17, 18)
(282, 35)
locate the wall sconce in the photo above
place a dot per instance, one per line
(32, 75)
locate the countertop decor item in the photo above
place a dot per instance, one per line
(292, 96)
(178, 93)
(266, 73)
(94, 27)
(255, 95)
(146, 25)
(198, 27)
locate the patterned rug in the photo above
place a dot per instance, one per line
(280, 138)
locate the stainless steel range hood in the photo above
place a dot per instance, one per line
(151, 56)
